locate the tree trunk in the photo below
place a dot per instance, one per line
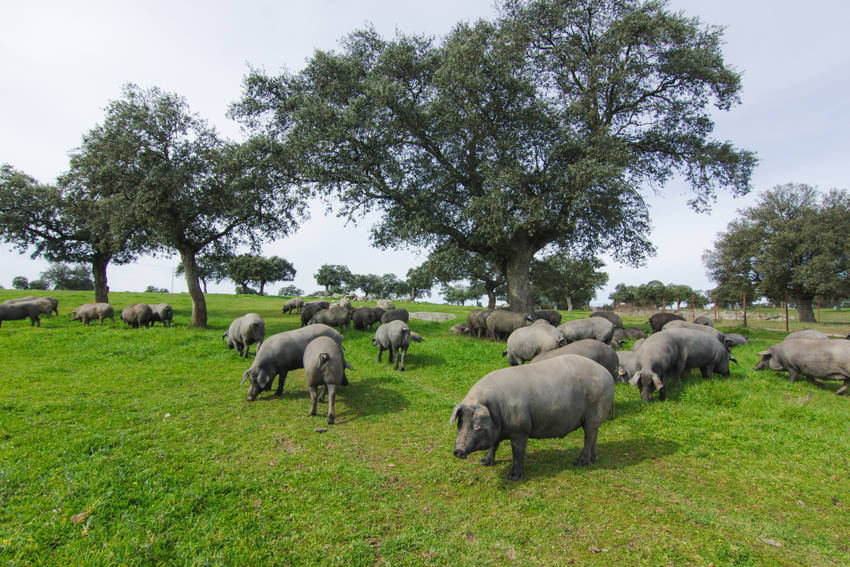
(517, 270)
(412, 294)
(569, 303)
(490, 290)
(805, 314)
(199, 304)
(98, 272)
(262, 287)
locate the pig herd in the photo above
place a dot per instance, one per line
(568, 383)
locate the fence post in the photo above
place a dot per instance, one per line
(786, 311)
(745, 309)
(714, 300)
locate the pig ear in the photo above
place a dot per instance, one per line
(245, 376)
(481, 418)
(658, 383)
(764, 353)
(635, 379)
(732, 359)
(455, 413)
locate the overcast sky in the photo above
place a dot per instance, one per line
(61, 62)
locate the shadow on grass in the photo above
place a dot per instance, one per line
(612, 455)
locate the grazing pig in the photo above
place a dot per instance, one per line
(549, 315)
(311, 308)
(597, 328)
(365, 317)
(281, 353)
(734, 339)
(617, 337)
(527, 342)
(588, 348)
(54, 303)
(395, 337)
(703, 320)
(635, 333)
(812, 358)
(45, 306)
(292, 305)
(658, 320)
(91, 311)
(400, 314)
(500, 324)
(477, 321)
(324, 364)
(245, 331)
(611, 316)
(810, 334)
(335, 316)
(627, 364)
(460, 329)
(710, 331)
(22, 310)
(540, 400)
(163, 313)
(137, 315)
(669, 354)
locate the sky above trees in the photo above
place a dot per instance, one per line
(64, 62)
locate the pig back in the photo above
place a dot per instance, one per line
(548, 398)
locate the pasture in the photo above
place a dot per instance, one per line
(136, 446)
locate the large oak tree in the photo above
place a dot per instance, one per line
(545, 128)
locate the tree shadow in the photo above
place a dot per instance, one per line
(612, 455)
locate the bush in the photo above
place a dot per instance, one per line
(38, 284)
(245, 290)
(154, 289)
(20, 282)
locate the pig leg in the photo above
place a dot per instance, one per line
(518, 443)
(280, 382)
(490, 458)
(588, 452)
(403, 356)
(314, 396)
(792, 374)
(394, 355)
(322, 395)
(380, 350)
(843, 388)
(331, 388)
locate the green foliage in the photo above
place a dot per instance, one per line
(334, 277)
(419, 280)
(290, 291)
(562, 281)
(210, 267)
(460, 294)
(154, 289)
(20, 282)
(449, 263)
(370, 284)
(541, 129)
(38, 284)
(62, 276)
(119, 446)
(247, 268)
(795, 240)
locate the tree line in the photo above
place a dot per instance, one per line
(535, 136)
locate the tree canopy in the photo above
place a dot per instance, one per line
(559, 280)
(542, 129)
(247, 268)
(334, 277)
(795, 240)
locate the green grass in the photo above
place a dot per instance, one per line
(136, 446)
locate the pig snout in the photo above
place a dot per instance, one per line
(460, 453)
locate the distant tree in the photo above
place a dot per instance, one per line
(795, 240)
(561, 280)
(62, 276)
(38, 284)
(333, 277)
(459, 294)
(392, 287)
(541, 129)
(195, 192)
(154, 289)
(681, 293)
(81, 219)
(449, 263)
(420, 280)
(245, 290)
(369, 284)
(20, 282)
(247, 268)
(623, 294)
(653, 293)
(290, 291)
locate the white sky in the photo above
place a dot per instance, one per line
(61, 62)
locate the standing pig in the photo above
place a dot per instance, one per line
(137, 315)
(541, 400)
(311, 308)
(658, 320)
(22, 310)
(90, 311)
(395, 337)
(324, 364)
(293, 305)
(245, 331)
(596, 351)
(163, 313)
(813, 358)
(527, 342)
(500, 324)
(281, 353)
(399, 314)
(597, 328)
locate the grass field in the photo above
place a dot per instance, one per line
(137, 447)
